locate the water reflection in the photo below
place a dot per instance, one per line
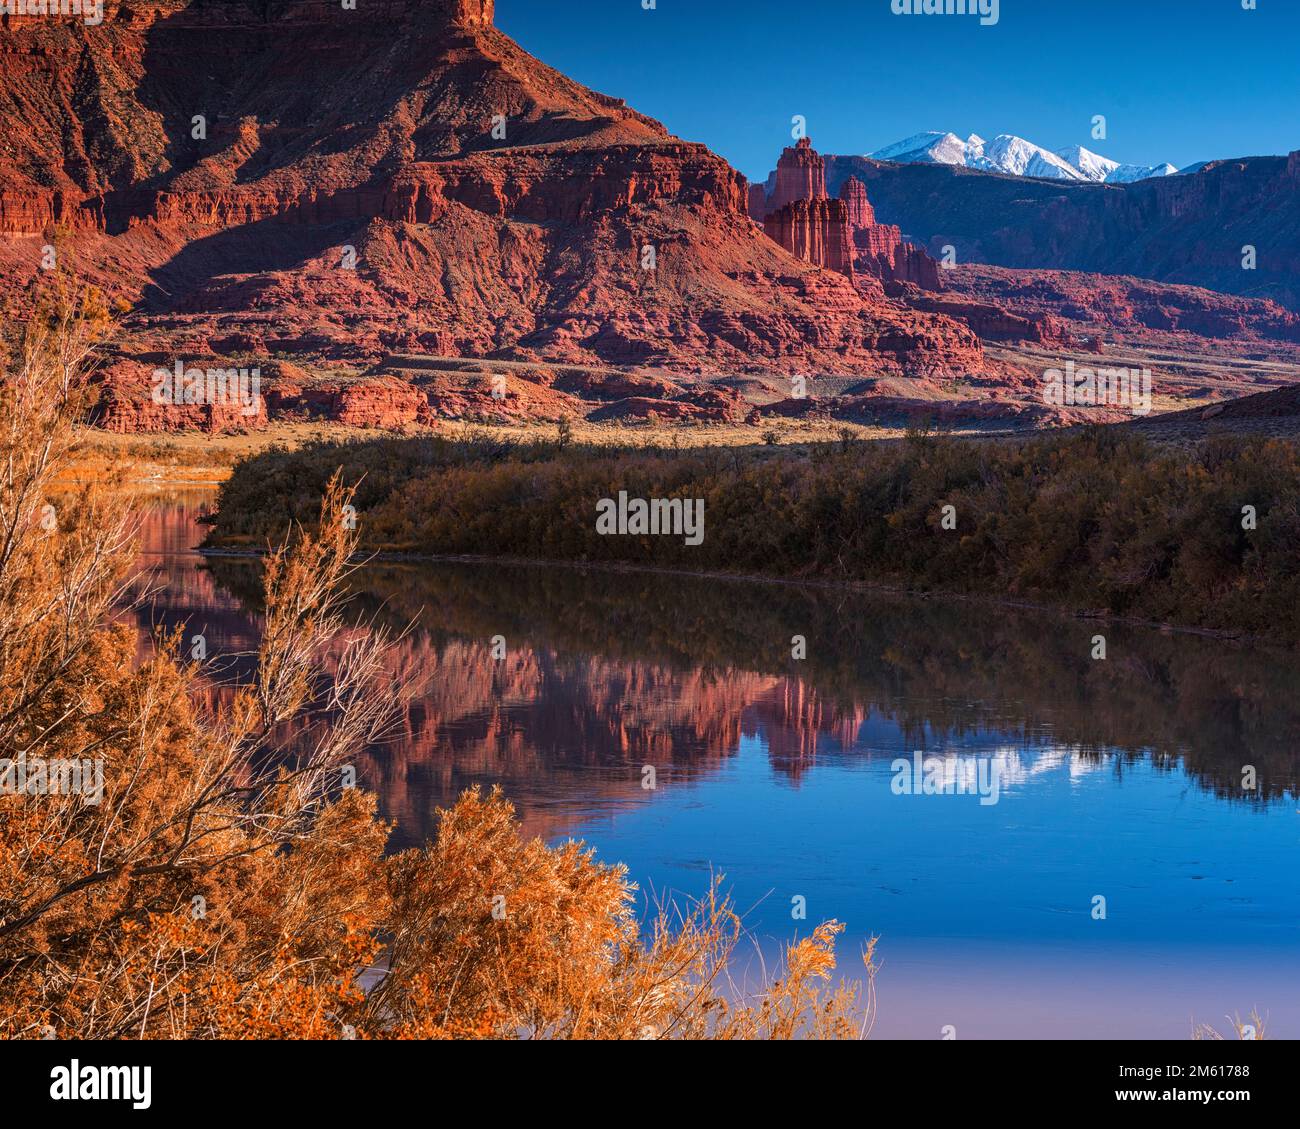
(1121, 777)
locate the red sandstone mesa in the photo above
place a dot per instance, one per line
(335, 138)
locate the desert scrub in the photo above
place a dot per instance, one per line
(214, 872)
(1097, 520)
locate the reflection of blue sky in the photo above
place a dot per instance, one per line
(1201, 894)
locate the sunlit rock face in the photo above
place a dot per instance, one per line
(216, 166)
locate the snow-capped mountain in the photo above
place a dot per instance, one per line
(1104, 170)
(1007, 153)
(1092, 166)
(934, 149)
(1023, 158)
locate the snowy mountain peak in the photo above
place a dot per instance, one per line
(932, 147)
(1103, 170)
(1010, 154)
(1019, 157)
(1092, 166)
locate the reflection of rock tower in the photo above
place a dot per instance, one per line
(801, 217)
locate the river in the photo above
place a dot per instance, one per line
(679, 725)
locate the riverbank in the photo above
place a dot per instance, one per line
(824, 585)
(1096, 523)
(185, 458)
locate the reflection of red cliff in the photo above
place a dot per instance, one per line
(172, 587)
(796, 721)
(561, 732)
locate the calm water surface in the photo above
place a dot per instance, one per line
(1120, 779)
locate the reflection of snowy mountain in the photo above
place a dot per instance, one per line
(1014, 765)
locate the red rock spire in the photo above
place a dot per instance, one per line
(854, 193)
(800, 175)
(802, 218)
(816, 231)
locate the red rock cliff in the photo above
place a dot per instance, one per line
(816, 231)
(881, 250)
(485, 204)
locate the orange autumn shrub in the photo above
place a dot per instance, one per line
(183, 870)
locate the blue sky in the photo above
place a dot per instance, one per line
(1178, 80)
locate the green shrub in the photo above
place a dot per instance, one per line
(1097, 520)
